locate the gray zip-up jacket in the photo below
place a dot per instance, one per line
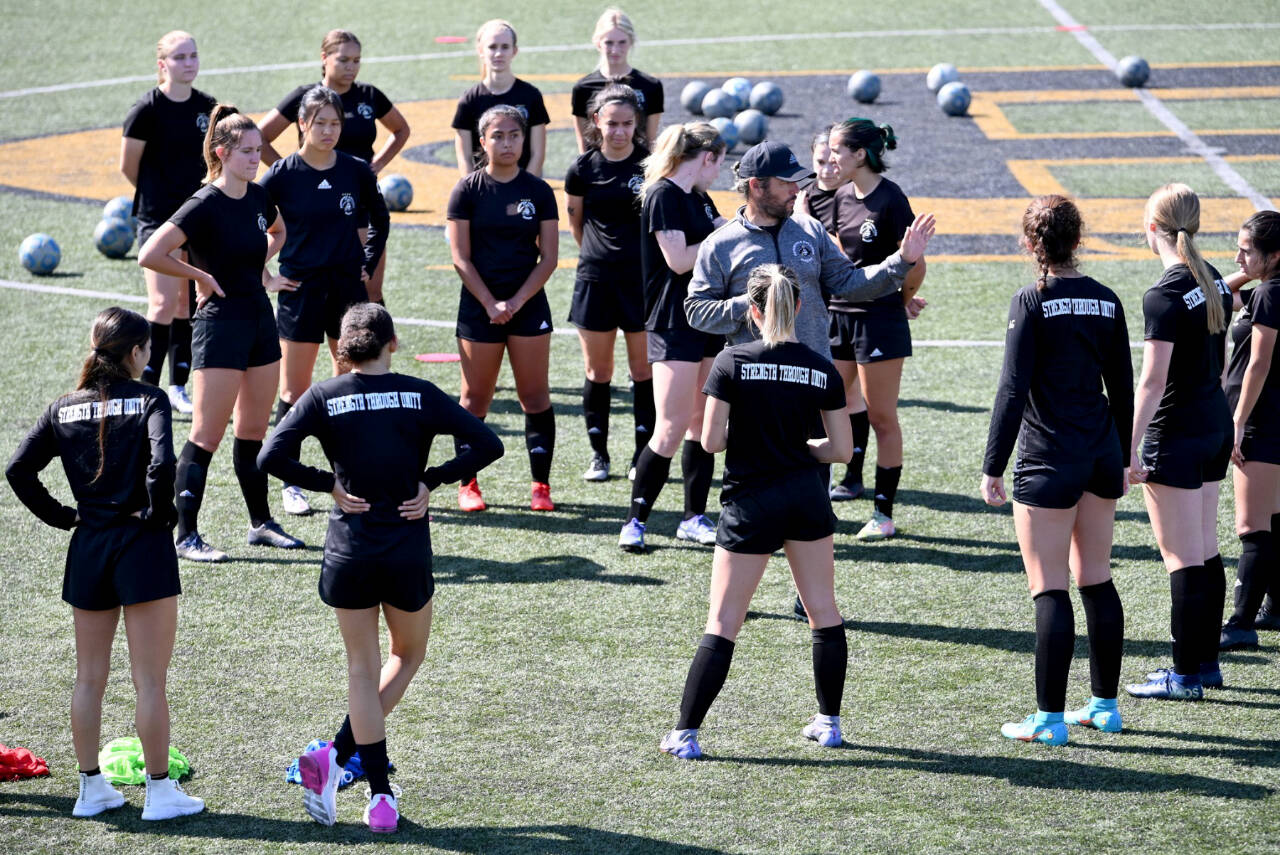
(717, 300)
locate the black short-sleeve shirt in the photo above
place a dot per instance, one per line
(648, 91)
(1261, 306)
(505, 220)
(362, 106)
(228, 238)
(776, 396)
(172, 164)
(525, 97)
(869, 230)
(821, 205)
(610, 192)
(667, 208)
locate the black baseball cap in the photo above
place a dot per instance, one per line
(772, 160)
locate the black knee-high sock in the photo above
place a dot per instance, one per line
(180, 351)
(830, 661)
(1273, 588)
(1215, 603)
(1104, 618)
(373, 757)
(253, 481)
(706, 677)
(861, 425)
(887, 489)
(1055, 643)
(159, 349)
(1186, 612)
(282, 409)
(540, 441)
(697, 465)
(193, 468)
(1257, 552)
(459, 448)
(345, 742)
(596, 400)
(652, 470)
(645, 414)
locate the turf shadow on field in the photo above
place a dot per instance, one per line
(450, 569)
(895, 552)
(943, 406)
(211, 825)
(568, 518)
(1263, 753)
(994, 638)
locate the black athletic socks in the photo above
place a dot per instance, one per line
(253, 481)
(159, 350)
(1055, 642)
(861, 425)
(697, 465)
(282, 409)
(645, 414)
(345, 742)
(596, 399)
(373, 757)
(830, 661)
(1215, 602)
(652, 470)
(1186, 619)
(540, 441)
(89, 773)
(887, 490)
(159, 777)
(706, 677)
(193, 467)
(1104, 618)
(180, 351)
(1257, 557)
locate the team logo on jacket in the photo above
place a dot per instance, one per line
(202, 123)
(636, 184)
(868, 231)
(262, 223)
(365, 111)
(526, 209)
(348, 204)
(803, 250)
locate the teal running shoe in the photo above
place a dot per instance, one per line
(1098, 713)
(1033, 728)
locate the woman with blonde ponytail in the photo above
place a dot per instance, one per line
(115, 438)
(1182, 438)
(764, 399)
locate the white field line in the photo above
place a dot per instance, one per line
(688, 42)
(1194, 144)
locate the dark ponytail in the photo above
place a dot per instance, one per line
(856, 133)
(114, 335)
(226, 126)
(1051, 232)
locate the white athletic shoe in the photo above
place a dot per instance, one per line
(295, 501)
(179, 401)
(96, 795)
(166, 800)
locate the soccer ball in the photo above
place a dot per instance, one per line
(113, 238)
(397, 192)
(39, 253)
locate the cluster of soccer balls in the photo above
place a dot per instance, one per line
(739, 111)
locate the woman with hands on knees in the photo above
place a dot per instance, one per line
(1066, 340)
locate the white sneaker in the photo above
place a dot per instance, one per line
(179, 401)
(96, 795)
(166, 800)
(295, 501)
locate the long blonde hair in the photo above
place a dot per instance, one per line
(772, 289)
(492, 24)
(165, 45)
(1174, 209)
(677, 144)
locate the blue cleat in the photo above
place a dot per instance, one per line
(1170, 686)
(697, 529)
(1036, 728)
(632, 537)
(1210, 675)
(824, 730)
(1099, 713)
(682, 744)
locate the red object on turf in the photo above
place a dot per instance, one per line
(540, 497)
(16, 763)
(437, 357)
(469, 497)
(450, 40)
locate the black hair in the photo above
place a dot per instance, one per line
(114, 335)
(366, 329)
(856, 133)
(313, 101)
(614, 93)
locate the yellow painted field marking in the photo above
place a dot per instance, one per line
(1036, 177)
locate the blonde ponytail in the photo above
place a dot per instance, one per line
(772, 289)
(1174, 209)
(677, 144)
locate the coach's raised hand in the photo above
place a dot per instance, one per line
(917, 236)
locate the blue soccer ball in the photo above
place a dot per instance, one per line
(39, 253)
(113, 238)
(397, 192)
(954, 98)
(1133, 71)
(753, 127)
(766, 97)
(718, 104)
(940, 75)
(692, 94)
(727, 130)
(863, 87)
(119, 208)
(740, 89)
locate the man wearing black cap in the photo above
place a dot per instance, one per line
(766, 232)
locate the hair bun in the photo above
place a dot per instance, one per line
(890, 141)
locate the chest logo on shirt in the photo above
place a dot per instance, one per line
(525, 208)
(636, 184)
(803, 250)
(640, 98)
(262, 224)
(365, 111)
(711, 215)
(868, 231)
(324, 184)
(202, 123)
(347, 203)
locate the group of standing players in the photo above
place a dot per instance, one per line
(774, 337)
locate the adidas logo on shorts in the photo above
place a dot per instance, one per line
(544, 326)
(877, 352)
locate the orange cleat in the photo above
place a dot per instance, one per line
(469, 498)
(540, 497)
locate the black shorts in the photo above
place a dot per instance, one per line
(758, 519)
(122, 565)
(1187, 462)
(146, 229)
(682, 345)
(604, 306)
(533, 319)
(235, 342)
(396, 572)
(315, 310)
(865, 337)
(1264, 448)
(1041, 484)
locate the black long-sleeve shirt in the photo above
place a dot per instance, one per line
(139, 470)
(1062, 345)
